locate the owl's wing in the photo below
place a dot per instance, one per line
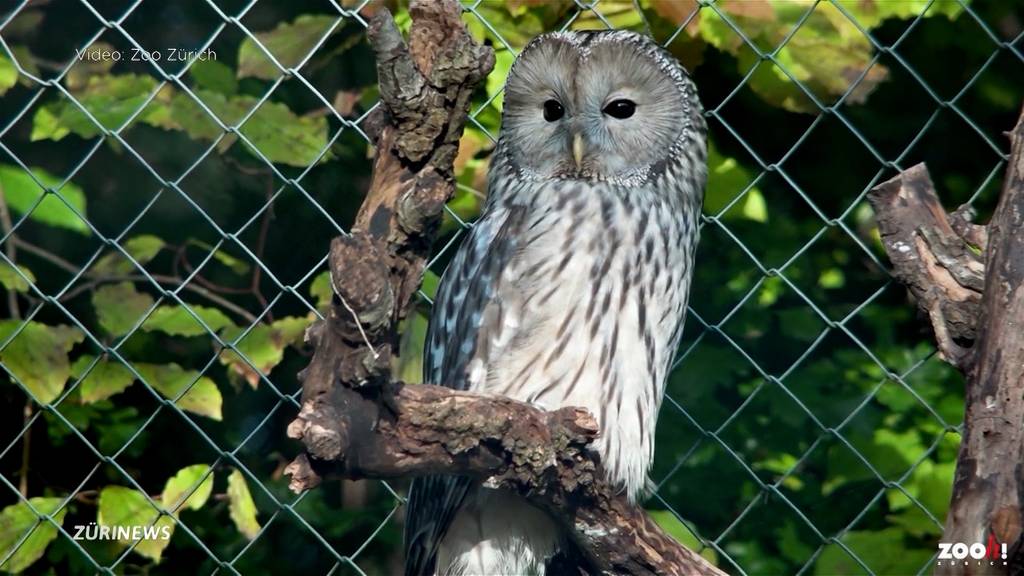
(457, 323)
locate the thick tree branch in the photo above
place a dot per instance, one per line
(355, 422)
(977, 312)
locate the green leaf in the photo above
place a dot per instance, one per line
(8, 74)
(142, 248)
(171, 380)
(320, 289)
(38, 356)
(236, 265)
(290, 43)
(119, 306)
(176, 320)
(263, 346)
(413, 339)
(277, 132)
(110, 99)
(12, 280)
(727, 178)
(107, 377)
(684, 535)
(214, 75)
(832, 278)
(18, 519)
(125, 508)
(241, 506)
(871, 13)
(189, 488)
(22, 192)
(496, 79)
(883, 551)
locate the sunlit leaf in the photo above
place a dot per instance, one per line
(15, 279)
(289, 42)
(727, 179)
(189, 488)
(125, 508)
(107, 377)
(241, 506)
(22, 192)
(119, 307)
(884, 551)
(496, 80)
(171, 380)
(685, 536)
(176, 320)
(38, 356)
(827, 56)
(263, 346)
(8, 74)
(17, 520)
(320, 289)
(870, 13)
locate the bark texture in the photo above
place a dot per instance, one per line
(355, 421)
(969, 280)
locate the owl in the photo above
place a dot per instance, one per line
(571, 288)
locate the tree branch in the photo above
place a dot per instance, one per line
(977, 312)
(356, 422)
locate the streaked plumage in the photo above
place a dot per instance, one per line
(571, 288)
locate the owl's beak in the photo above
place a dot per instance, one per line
(577, 150)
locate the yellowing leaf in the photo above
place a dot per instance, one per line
(38, 356)
(119, 306)
(241, 506)
(17, 520)
(22, 192)
(107, 377)
(178, 321)
(124, 508)
(171, 380)
(190, 488)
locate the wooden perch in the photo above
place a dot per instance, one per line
(969, 280)
(355, 421)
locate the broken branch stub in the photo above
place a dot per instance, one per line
(969, 279)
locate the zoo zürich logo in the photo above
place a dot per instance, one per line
(992, 553)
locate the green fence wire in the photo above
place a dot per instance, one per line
(703, 325)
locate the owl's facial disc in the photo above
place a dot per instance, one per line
(592, 107)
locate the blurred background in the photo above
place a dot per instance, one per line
(165, 224)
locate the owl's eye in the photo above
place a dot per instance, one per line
(553, 110)
(620, 109)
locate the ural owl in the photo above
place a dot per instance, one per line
(572, 287)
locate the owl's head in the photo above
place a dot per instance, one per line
(609, 105)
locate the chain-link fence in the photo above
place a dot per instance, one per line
(171, 174)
